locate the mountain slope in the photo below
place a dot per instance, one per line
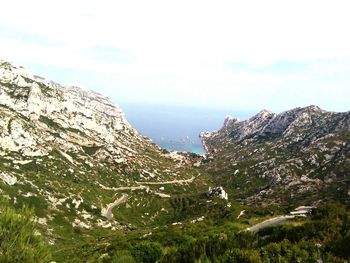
(72, 155)
(104, 193)
(301, 155)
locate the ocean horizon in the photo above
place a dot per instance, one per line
(176, 128)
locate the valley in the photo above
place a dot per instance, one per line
(102, 192)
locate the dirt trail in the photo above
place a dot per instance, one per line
(107, 211)
(141, 185)
(183, 181)
(122, 188)
(270, 222)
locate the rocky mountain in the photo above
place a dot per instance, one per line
(301, 154)
(72, 155)
(101, 192)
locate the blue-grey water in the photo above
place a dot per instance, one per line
(176, 128)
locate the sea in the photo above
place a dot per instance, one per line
(176, 128)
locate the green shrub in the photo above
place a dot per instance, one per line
(19, 239)
(243, 256)
(147, 252)
(123, 257)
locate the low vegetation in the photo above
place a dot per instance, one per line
(68, 154)
(322, 237)
(20, 240)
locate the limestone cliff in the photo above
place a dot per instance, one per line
(300, 153)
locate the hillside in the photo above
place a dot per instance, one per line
(79, 184)
(301, 155)
(71, 154)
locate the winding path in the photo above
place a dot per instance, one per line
(107, 211)
(269, 222)
(183, 181)
(122, 188)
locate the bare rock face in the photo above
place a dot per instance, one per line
(80, 117)
(303, 152)
(253, 126)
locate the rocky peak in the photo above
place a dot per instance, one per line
(286, 123)
(297, 151)
(11, 71)
(314, 108)
(39, 116)
(69, 107)
(229, 120)
(266, 123)
(253, 126)
(263, 114)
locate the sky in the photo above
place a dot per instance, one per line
(234, 55)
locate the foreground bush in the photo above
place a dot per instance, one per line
(19, 241)
(147, 252)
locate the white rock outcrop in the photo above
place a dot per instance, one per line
(65, 118)
(7, 178)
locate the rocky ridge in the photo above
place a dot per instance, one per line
(300, 153)
(80, 118)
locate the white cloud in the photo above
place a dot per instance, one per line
(182, 46)
(256, 32)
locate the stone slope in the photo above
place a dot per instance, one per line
(297, 154)
(65, 118)
(70, 152)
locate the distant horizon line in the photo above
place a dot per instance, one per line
(218, 109)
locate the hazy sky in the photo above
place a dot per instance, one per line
(238, 55)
